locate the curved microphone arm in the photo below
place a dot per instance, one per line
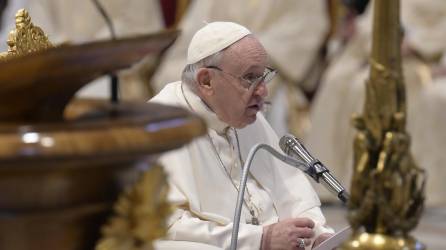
(238, 209)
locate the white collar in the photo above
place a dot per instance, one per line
(198, 106)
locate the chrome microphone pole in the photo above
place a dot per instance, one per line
(238, 209)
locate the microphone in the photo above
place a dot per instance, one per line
(291, 146)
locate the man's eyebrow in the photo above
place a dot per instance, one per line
(253, 68)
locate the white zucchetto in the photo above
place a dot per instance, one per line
(214, 37)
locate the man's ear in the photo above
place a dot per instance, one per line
(204, 81)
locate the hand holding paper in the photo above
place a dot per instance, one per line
(335, 240)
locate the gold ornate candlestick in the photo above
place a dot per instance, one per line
(387, 189)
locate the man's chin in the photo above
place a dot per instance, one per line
(250, 120)
(244, 124)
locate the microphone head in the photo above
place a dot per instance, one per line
(290, 145)
(286, 142)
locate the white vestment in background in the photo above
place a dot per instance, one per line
(205, 194)
(78, 21)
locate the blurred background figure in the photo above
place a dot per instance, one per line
(292, 32)
(342, 93)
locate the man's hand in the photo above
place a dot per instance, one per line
(320, 239)
(287, 234)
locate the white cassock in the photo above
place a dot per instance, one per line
(343, 89)
(79, 21)
(205, 189)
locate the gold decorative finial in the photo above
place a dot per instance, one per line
(26, 38)
(140, 215)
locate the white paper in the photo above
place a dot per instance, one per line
(335, 240)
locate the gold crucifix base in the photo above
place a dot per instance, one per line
(367, 241)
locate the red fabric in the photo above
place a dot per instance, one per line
(169, 9)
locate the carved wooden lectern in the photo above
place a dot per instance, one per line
(64, 161)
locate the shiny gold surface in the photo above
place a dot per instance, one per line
(367, 241)
(387, 189)
(105, 130)
(26, 38)
(140, 215)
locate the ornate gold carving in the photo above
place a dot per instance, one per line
(26, 38)
(387, 194)
(140, 215)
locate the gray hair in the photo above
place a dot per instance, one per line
(189, 75)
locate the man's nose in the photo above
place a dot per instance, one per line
(261, 90)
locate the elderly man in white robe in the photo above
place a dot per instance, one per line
(282, 28)
(224, 82)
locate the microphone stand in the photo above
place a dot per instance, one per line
(238, 209)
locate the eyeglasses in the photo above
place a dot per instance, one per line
(251, 80)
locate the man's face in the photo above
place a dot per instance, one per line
(233, 100)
